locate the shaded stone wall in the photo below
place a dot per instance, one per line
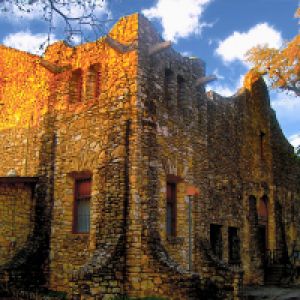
(286, 178)
(174, 145)
(26, 146)
(224, 200)
(17, 219)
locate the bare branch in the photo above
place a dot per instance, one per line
(78, 16)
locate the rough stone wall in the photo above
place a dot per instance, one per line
(173, 145)
(24, 94)
(256, 173)
(237, 170)
(286, 172)
(242, 166)
(224, 203)
(90, 136)
(17, 219)
(25, 141)
(133, 136)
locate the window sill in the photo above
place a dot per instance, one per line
(175, 240)
(234, 262)
(79, 236)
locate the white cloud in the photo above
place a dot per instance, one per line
(186, 53)
(27, 41)
(217, 73)
(221, 89)
(287, 102)
(287, 108)
(179, 18)
(235, 46)
(295, 140)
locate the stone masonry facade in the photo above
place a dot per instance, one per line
(120, 175)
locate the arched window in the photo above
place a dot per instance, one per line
(75, 86)
(93, 82)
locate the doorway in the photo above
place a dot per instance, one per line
(262, 241)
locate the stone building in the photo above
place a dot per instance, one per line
(120, 175)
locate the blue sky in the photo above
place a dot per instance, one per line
(217, 31)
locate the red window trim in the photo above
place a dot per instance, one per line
(174, 179)
(85, 174)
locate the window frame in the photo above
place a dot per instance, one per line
(234, 241)
(262, 141)
(77, 198)
(169, 77)
(75, 86)
(171, 199)
(94, 71)
(180, 81)
(215, 231)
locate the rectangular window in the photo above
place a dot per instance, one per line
(81, 222)
(171, 209)
(75, 86)
(233, 245)
(169, 77)
(180, 90)
(93, 82)
(216, 240)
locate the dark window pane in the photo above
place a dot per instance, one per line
(216, 240)
(83, 215)
(180, 90)
(171, 209)
(233, 245)
(169, 77)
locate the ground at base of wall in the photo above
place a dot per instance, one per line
(271, 293)
(117, 298)
(26, 295)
